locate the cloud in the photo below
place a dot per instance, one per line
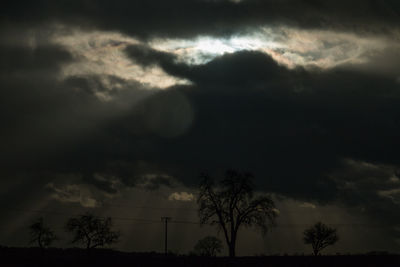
(181, 196)
(47, 58)
(102, 53)
(290, 47)
(303, 94)
(372, 188)
(148, 19)
(242, 103)
(392, 194)
(73, 194)
(154, 181)
(307, 205)
(264, 111)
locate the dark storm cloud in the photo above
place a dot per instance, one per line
(224, 72)
(20, 58)
(373, 189)
(42, 114)
(245, 111)
(189, 18)
(326, 136)
(146, 56)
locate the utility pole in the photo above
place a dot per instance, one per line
(165, 220)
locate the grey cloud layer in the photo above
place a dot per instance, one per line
(189, 18)
(261, 117)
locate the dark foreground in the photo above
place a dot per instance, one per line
(78, 257)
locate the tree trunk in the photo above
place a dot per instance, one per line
(88, 247)
(316, 252)
(40, 240)
(232, 245)
(232, 252)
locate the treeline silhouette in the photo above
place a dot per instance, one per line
(229, 204)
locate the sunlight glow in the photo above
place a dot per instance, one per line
(103, 53)
(289, 47)
(204, 48)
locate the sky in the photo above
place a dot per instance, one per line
(116, 107)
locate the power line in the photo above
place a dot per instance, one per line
(148, 220)
(112, 217)
(140, 207)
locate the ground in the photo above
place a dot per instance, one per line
(79, 257)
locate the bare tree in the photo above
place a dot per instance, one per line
(41, 234)
(209, 246)
(233, 204)
(320, 236)
(92, 231)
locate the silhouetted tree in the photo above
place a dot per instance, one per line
(232, 204)
(209, 246)
(92, 231)
(320, 236)
(41, 234)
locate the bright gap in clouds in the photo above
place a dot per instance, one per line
(289, 47)
(102, 53)
(203, 49)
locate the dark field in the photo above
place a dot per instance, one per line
(78, 257)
